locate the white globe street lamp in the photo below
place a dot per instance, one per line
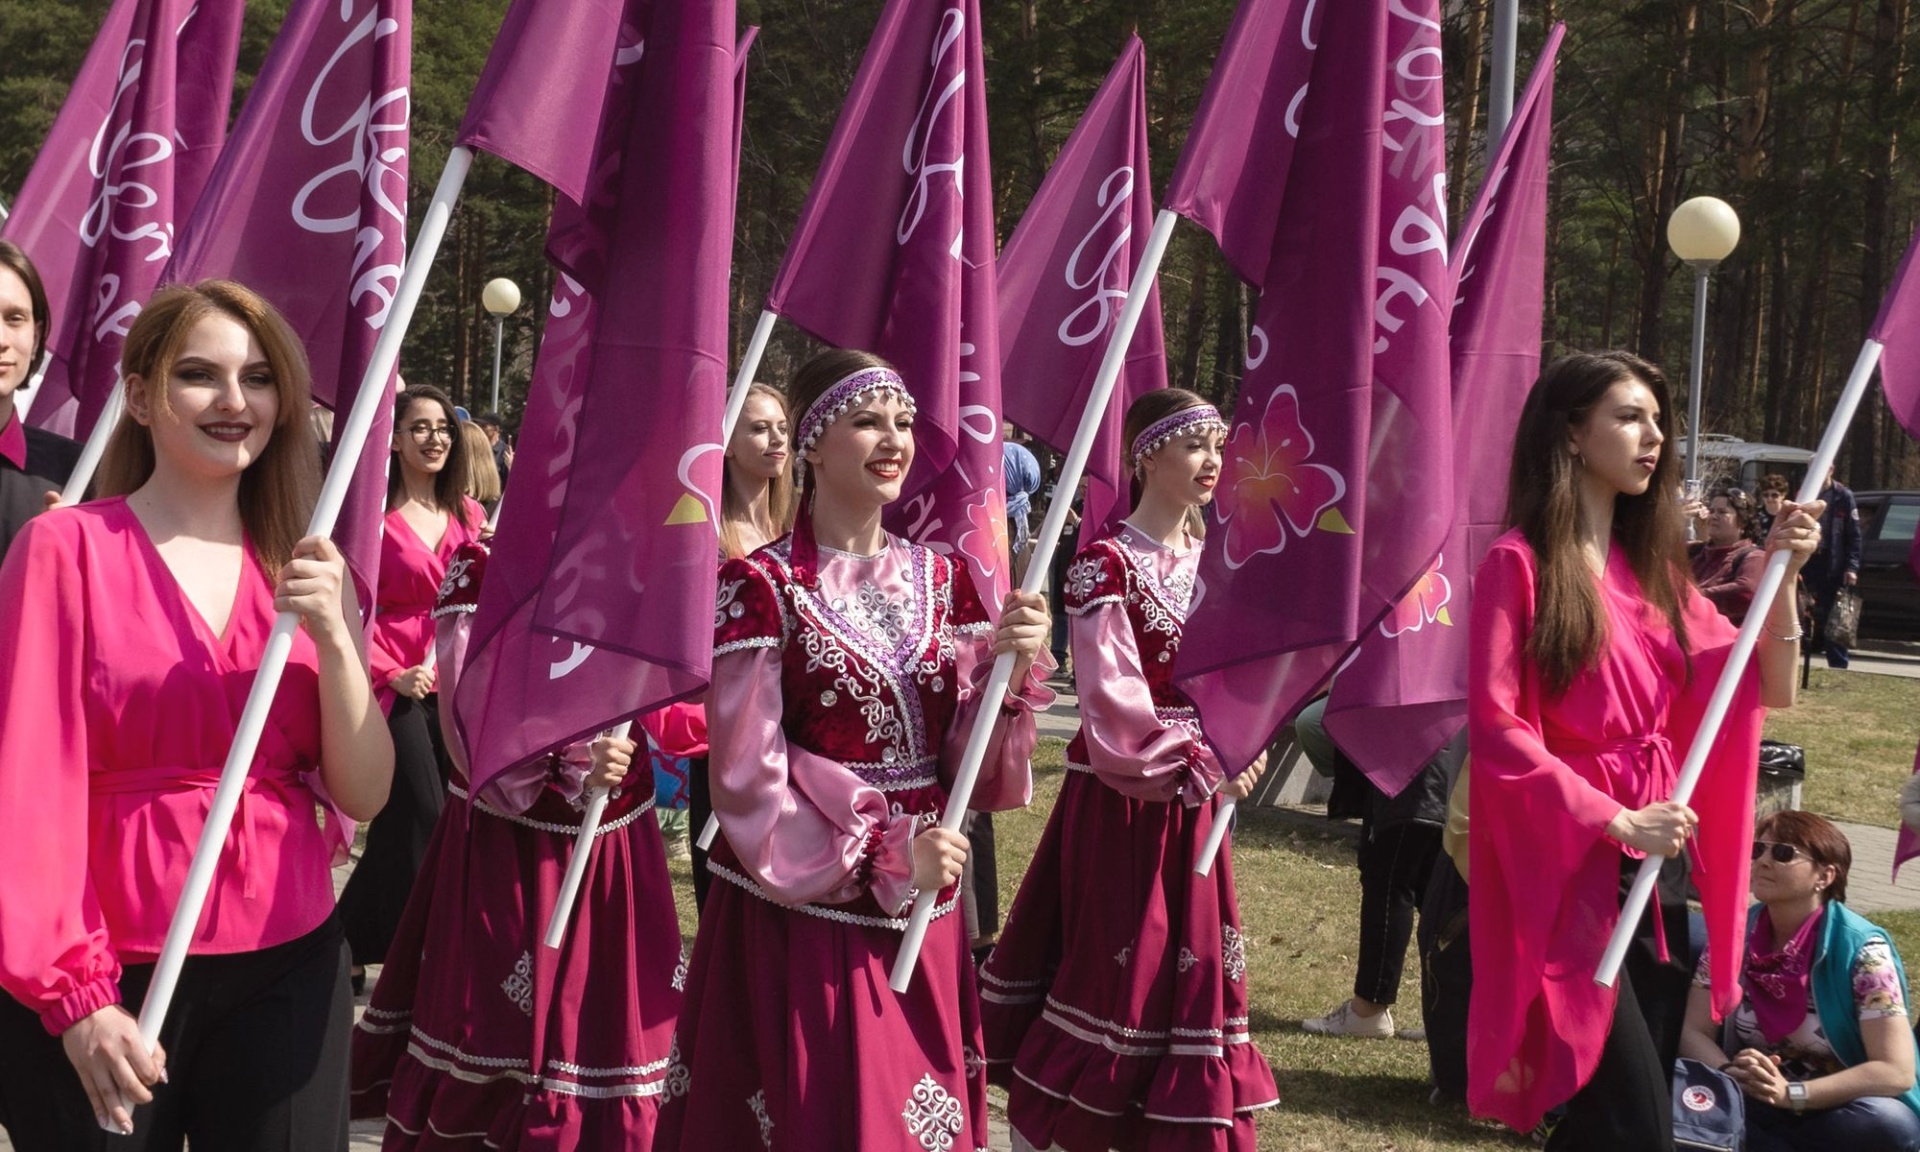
(1703, 231)
(501, 299)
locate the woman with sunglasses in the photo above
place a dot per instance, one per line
(1820, 1044)
(1591, 659)
(429, 516)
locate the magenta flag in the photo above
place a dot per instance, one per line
(1404, 695)
(1897, 328)
(1337, 490)
(308, 207)
(894, 253)
(120, 170)
(1063, 279)
(598, 605)
(544, 92)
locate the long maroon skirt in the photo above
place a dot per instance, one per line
(447, 1048)
(1115, 1004)
(792, 1040)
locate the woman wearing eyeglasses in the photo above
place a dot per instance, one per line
(429, 516)
(1591, 660)
(1820, 1043)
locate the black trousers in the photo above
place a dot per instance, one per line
(1396, 863)
(376, 894)
(699, 808)
(256, 1048)
(1629, 1101)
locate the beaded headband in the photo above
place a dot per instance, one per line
(1163, 432)
(847, 392)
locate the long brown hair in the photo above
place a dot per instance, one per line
(483, 475)
(278, 490)
(1144, 413)
(1543, 501)
(450, 483)
(733, 509)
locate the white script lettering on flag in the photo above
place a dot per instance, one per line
(942, 97)
(123, 206)
(1110, 291)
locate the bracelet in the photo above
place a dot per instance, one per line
(1793, 639)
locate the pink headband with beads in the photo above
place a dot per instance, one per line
(847, 392)
(1201, 417)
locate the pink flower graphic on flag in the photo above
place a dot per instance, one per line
(985, 539)
(1271, 483)
(1425, 603)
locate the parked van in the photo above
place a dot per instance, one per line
(1888, 586)
(1731, 460)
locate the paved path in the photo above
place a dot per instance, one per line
(1882, 663)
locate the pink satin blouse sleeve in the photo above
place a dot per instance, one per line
(805, 827)
(1006, 772)
(1130, 748)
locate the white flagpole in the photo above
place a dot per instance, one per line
(1216, 835)
(1722, 698)
(96, 446)
(333, 494)
(597, 799)
(1044, 544)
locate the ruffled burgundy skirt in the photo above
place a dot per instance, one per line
(1115, 1004)
(792, 1040)
(447, 1048)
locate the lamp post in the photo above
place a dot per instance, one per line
(1703, 232)
(501, 298)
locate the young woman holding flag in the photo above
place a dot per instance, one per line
(1592, 661)
(845, 682)
(134, 625)
(1116, 1000)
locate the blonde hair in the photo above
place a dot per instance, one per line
(277, 490)
(483, 475)
(733, 509)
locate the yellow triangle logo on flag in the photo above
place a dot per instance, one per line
(1443, 617)
(687, 510)
(1332, 521)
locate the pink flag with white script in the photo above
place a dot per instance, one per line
(308, 206)
(1318, 163)
(598, 604)
(119, 172)
(894, 254)
(1064, 278)
(1404, 695)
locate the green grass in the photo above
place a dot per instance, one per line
(1859, 733)
(1300, 901)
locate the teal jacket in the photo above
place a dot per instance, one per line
(1843, 933)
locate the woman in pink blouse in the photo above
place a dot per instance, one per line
(429, 516)
(846, 678)
(1116, 1000)
(1591, 661)
(134, 626)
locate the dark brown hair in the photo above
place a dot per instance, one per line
(1774, 482)
(733, 509)
(1818, 837)
(1144, 413)
(1744, 509)
(278, 490)
(450, 483)
(15, 259)
(1543, 501)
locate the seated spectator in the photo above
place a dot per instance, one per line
(1727, 564)
(1820, 1043)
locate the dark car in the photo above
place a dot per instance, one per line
(1887, 583)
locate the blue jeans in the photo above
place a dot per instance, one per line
(1880, 1123)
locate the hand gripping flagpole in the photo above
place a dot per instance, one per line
(1044, 544)
(1722, 698)
(597, 798)
(253, 718)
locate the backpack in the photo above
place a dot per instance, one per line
(1708, 1110)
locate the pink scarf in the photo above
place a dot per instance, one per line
(1777, 982)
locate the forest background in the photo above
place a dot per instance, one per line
(1793, 111)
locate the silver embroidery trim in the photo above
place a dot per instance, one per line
(460, 793)
(896, 923)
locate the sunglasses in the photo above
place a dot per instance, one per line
(1782, 853)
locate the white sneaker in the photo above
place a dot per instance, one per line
(1344, 1021)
